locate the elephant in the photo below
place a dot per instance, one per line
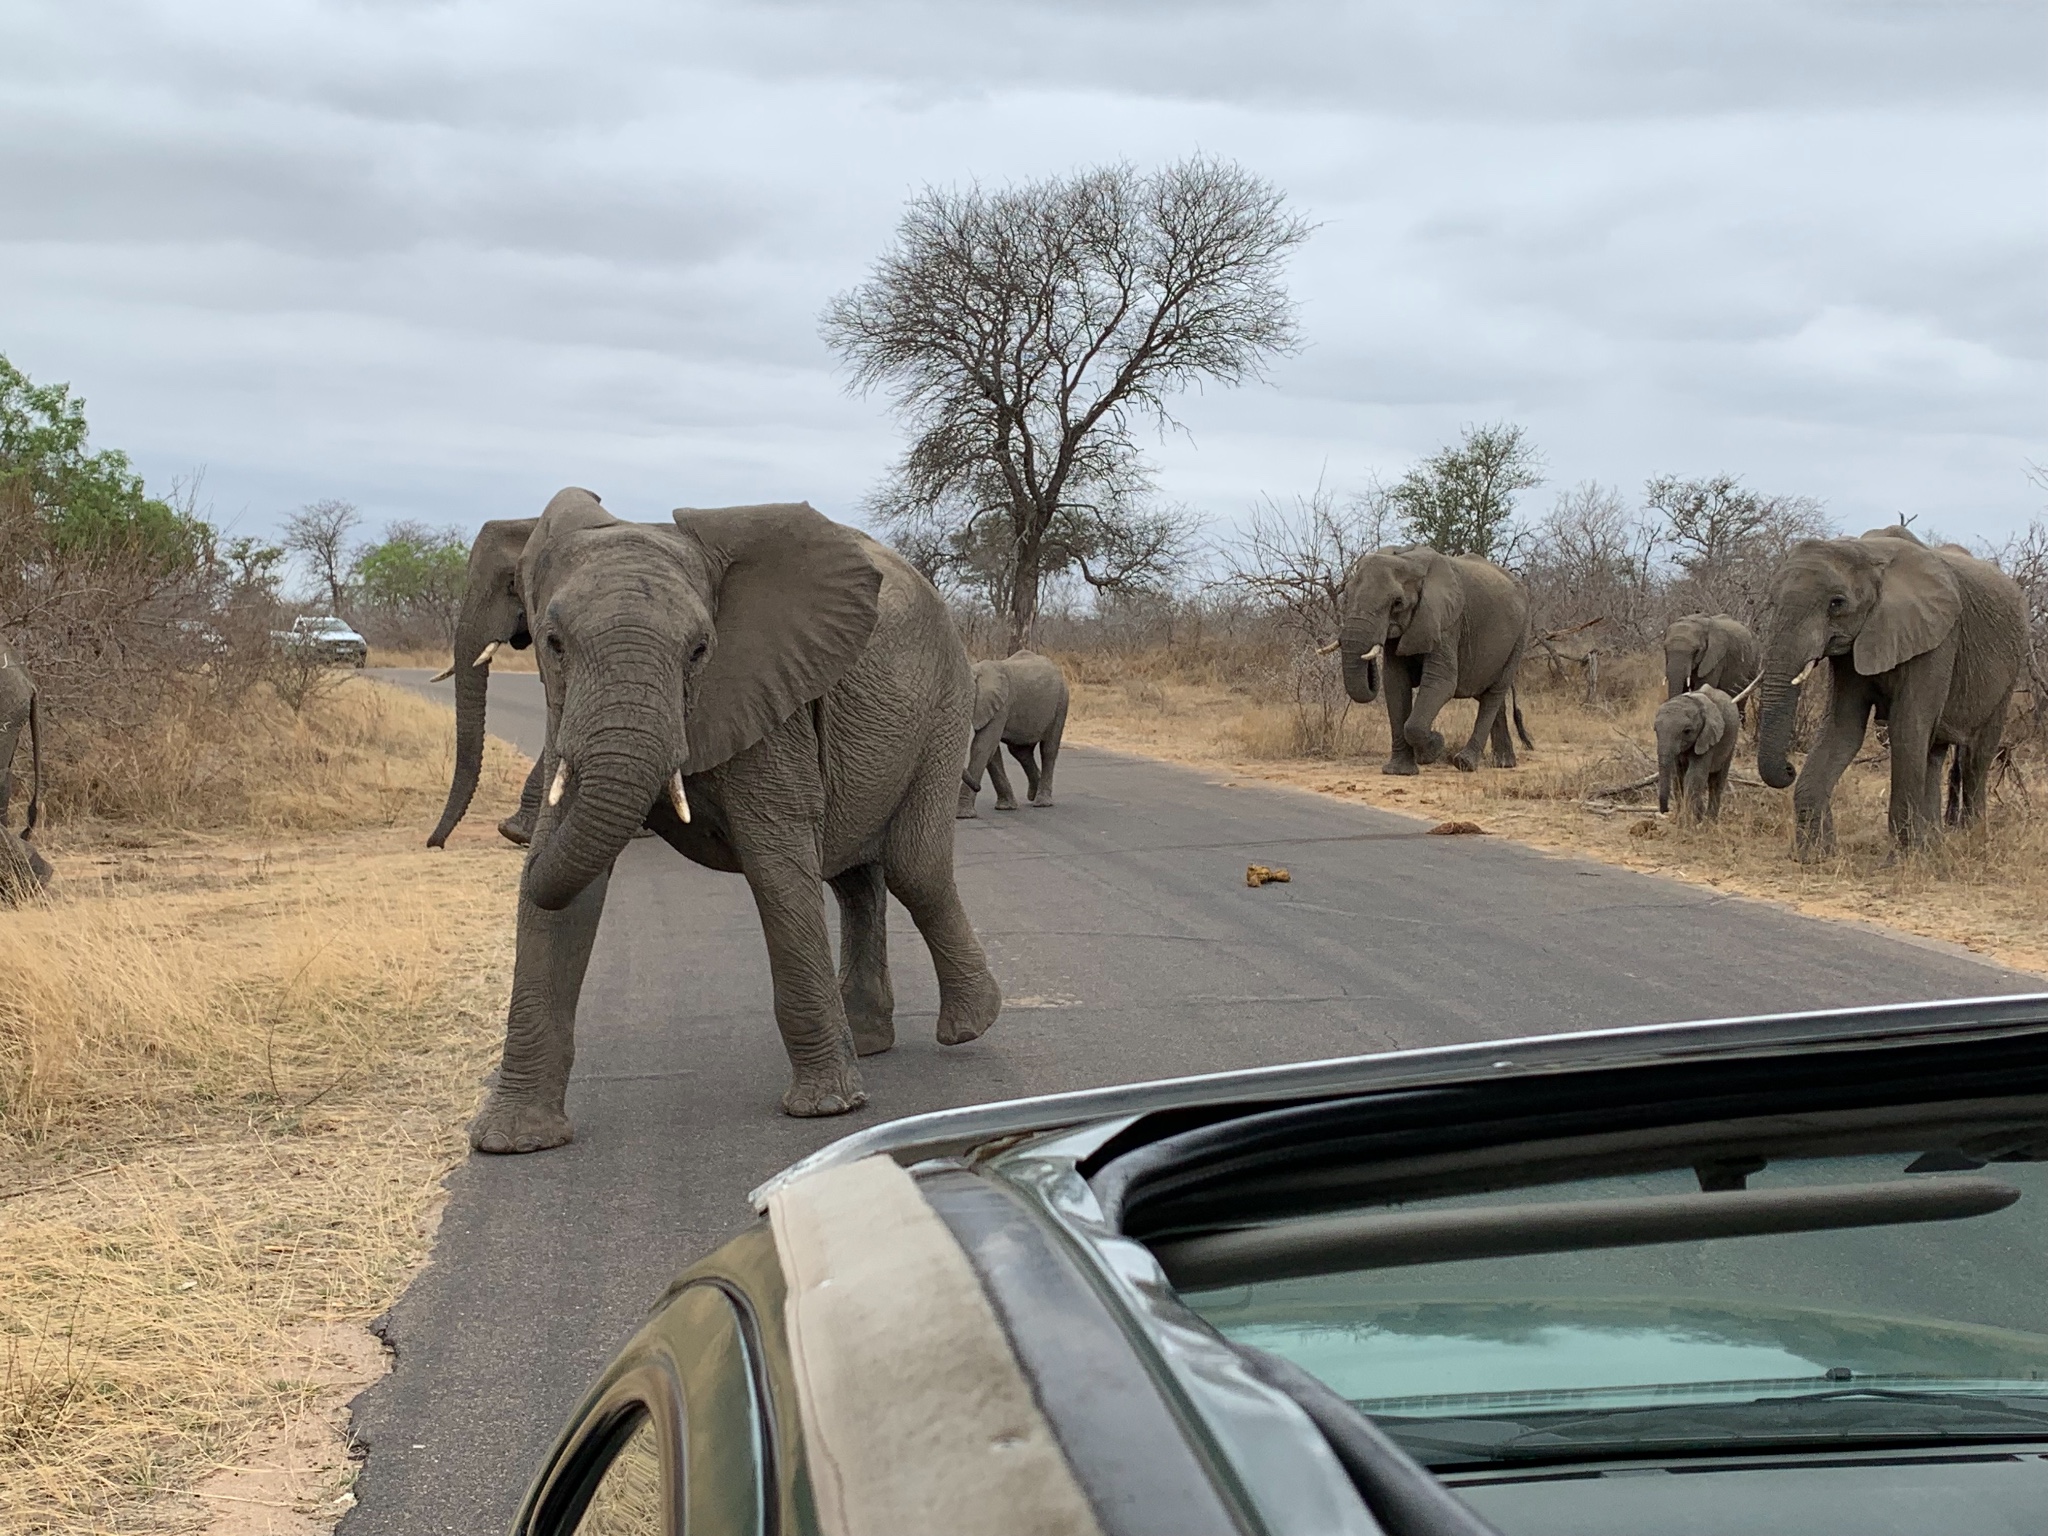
(22, 868)
(1714, 650)
(1696, 736)
(1443, 627)
(1019, 703)
(1933, 641)
(775, 696)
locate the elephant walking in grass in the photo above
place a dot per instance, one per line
(1714, 650)
(1696, 737)
(1435, 628)
(1019, 703)
(775, 696)
(22, 868)
(1932, 641)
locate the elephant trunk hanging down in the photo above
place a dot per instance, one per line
(1431, 628)
(772, 694)
(1932, 641)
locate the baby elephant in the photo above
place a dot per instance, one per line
(1696, 737)
(1020, 703)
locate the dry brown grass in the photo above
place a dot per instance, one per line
(233, 1069)
(507, 660)
(1986, 890)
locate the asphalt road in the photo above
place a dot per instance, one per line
(1128, 946)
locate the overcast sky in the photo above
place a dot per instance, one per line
(441, 259)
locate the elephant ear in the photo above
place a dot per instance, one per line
(1918, 603)
(1711, 722)
(1713, 651)
(991, 690)
(1439, 607)
(795, 598)
(492, 608)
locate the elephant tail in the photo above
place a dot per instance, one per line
(1521, 730)
(35, 757)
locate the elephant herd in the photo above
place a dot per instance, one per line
(781, 697)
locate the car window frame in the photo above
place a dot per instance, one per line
(645, 1390)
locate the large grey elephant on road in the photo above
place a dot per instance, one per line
(1020, 702)
(22, 868)
(1437, 627)
(774, 695)
(1708, 650)
(1930, 640)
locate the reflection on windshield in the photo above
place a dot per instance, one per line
(1959, 1307)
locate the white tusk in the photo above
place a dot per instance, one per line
(1326, 650)
(1373, 654)
(443, 675)
(561, 783)
(1748, 689)
(1805, 672)
(483, 657)
(677, 798)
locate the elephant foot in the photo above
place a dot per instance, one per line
(515, 829)
(966, 1013)
(506, 1125)
(1006, 805)
(873, 1027)
(1466, 761)
(829, 1090)
(1432, 749)
(1041, 801)
(1401, 767)
(1503, 759)
(965, 811)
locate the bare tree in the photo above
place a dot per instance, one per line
(1592, 557)
(1726, 539)
(1027, 335)
(1294, 557)
(1461, 499)
(319, 534)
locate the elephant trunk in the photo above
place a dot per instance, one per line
(1362, 643)
(472, 682)
(1677, 673)
(1665, 766)
(615, 753)
(1787, 660)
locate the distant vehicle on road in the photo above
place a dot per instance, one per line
(327, 637)
(1490, 1288)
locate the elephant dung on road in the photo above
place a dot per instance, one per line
(1714, 650)
(1696, 737)
(1439, 627)
(1020, 702)
(1932, 641)
(774, 695)
(23, 870)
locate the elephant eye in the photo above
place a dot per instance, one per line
(555, 644)
(1837, 604)
(698, 654)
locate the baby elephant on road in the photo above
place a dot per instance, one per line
(1019, 703)
(1696, 737)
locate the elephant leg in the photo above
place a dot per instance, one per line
(525, 1110)
(1485, 723)
(783, 875)
(917, 854)
(1917, 768)
(1717, 781)
(1439, 683)
(1502, 740)
(999, 776)
(865, 991)
(1696, 778)
(1813, 792)
(1026, 754)
(1973, 769)
(1933, 781)
(518, 827)
(23, 871)
(1400, 689)
(1048, 754)
(981, 751)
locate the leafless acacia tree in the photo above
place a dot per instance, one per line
(319, 534)
(1026, 335)
(1726, 539)
(1293, 557)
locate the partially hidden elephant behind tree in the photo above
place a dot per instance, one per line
(1931, 641)
(1436, 628)
(1697, 733)
(776, 696)
(1709, 650)
(22, 868)
(1020, 702)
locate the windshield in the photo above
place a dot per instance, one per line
(325, 627)
(1926, 1332)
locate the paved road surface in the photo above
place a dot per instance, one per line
(1129, 946)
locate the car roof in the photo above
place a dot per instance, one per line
(950, 1131)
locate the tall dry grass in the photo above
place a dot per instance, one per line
(1286, 719)
(233, 1067)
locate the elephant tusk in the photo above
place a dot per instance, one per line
(1374, 653)
(561, 783)
(1805, 672)
(483, 657)
(1330, 649)
(444, 674)
(1748, 689)
(677, 798)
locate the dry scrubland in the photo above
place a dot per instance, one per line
(238, 1042)
(507, 659)
(1287, 721)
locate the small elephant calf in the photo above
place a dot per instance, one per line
(1019, 703)
(1696, 737)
